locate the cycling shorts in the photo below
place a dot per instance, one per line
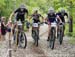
(9, 29)
(21, 19)
(36, 21)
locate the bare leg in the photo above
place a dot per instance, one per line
(48, 31)
(56, 31)
(0, 37)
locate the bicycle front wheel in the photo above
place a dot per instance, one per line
(52, 39)
(22, 40)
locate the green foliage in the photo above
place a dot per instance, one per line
(8, 6)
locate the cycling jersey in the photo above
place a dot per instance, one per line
(21, 13)
(36, 17)
(51, 17)
(61, 15)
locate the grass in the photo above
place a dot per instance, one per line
(71, 35)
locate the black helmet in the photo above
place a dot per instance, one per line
(35, 10)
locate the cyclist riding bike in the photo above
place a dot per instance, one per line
(51, 17)
(61, 15)
(20, 14)
(36, 18)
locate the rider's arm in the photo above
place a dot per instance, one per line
(66, 15)
(11, 15)
(26, 12)
(46, 19)
(41, 17)
(30, 17)
(58, 18)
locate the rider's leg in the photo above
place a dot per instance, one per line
(56, 30)
(14, 26)
(0, 33)
(49, 28)
(22, 20)
(38, 31)
(38, 27)
(63, 28)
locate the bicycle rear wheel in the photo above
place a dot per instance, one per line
(61, 37)
(35, 36)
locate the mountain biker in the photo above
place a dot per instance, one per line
(51, 17)
(36, 17)
(20, 14)
(61, 15)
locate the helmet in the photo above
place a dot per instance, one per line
(22, 6)
(62, 10)
(51, 10)
(35, 10)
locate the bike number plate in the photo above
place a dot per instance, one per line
(53, 24)
(35, 25)
(19, 23)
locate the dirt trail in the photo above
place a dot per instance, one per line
(43, 50)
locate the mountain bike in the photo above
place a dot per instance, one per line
(35, 33)
(52, 35)
(19, 35)
(60, 32)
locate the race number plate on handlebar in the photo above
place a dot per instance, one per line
(35, 25)
(19, 23)
(53, 24)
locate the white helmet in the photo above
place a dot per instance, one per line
(62, 10)
(51, 10)
(22, 6)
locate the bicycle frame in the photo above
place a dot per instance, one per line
(18, 28)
